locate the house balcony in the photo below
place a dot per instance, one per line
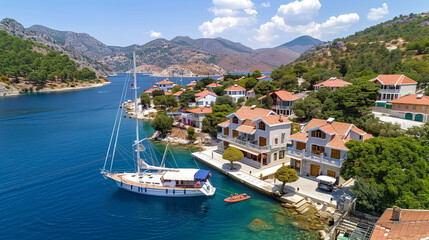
(281, 107)
(389, 90)
(251, 145)
(314, 157)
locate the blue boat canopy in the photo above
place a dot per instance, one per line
(202, 174)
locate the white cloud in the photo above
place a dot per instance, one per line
(296, 19)
(266, 4)
(299, 11)
(229, 14)
(155, 34)
(378, 13)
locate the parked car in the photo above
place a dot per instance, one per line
(326, 183)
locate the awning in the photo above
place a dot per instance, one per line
(184, 174)
(244, 149)
(202, 174)
(326, 179)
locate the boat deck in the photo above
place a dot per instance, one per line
(118, 177)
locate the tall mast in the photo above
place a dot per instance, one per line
(135, 110)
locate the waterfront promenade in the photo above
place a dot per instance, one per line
(241, 172)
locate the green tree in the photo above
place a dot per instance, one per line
(145, 99)
(218, 115)
(250, 83)
(240, 101)
(232, 154)
(157, 92)
(202, 83)
(267, 102)
(187, 97)
(219, 91)
(256, 74)
(286, 175)
(420, 133)
(253, 101)
(307, 108)
(162, 123)
(165, 101)
(264, 87)
(225, 100)
(176, 88)
(389, 171)
(191, 133)
(289, 82)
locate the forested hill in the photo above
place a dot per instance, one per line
(35, 62)
(400, 45)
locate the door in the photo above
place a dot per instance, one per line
(314, 170)
(234, 133)
(331, 173)
(418, 117)
(298, 165)
(262, 141)
(409, 116)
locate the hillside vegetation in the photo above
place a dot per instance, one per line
(25, 59)
(400, 45)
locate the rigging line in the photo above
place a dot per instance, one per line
(125, 159)
(173, 158)
(119, 125)
(114, 126)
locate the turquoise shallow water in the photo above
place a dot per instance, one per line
(51, 151)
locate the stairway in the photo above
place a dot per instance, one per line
(302, 206)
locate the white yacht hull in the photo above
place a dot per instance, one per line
(161, 192)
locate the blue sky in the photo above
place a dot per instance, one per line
(257, 24)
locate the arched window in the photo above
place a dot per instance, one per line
(235, 120)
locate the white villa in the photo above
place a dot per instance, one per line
(165, 85)
(393, 87)
(319, 149)
(236, 92)
(205, 98)
(259, 133)
(194, 117)
(282, 102)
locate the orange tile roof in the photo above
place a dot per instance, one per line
(235, 88)
(412, 99)
(168, 93)
(328, 129)
(200, 110)
(203, 94)
(394, 79)
(224, 124)
(413, 224)
(367, 136)
(333, 82)
(189, 87)
(338, 142)
(246, 129)
(315, 122)
(301, 136)
(251, 90)
(275, 119)
(262, 77)
(358, 131)
(178, 93)
(165, 82)
(246, 112)
(151, 89)
(192, 84)
(285, 95)
(214, 85)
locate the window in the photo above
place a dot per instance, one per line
(235, 120)
(275, 156)
(317, 149)
(399, 105)
(423, 108)
(335, 153)
(276, 141)
(414, 107)
(300, 146)
(318, 134)
(283, 137)
(360, 137)
(282, 154)
(406, 106)
(226, 131)
(261, 126)
(234, 133)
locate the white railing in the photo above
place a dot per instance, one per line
(256, 147)
(280, 107)
(389, 90)
(314, 157)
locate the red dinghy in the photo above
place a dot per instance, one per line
(237, 198)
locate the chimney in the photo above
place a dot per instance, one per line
(280, 118)
(253, 107)
(330, 120)
(341, 79)
(396, 214)
(235, 85)
(419, 96)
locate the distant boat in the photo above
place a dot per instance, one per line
(155, 180)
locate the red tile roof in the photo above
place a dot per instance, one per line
(413, 224)
(328, 129)
(275, 119)
(333, 82)
(235, 88)
(168, 93)
(262, 77)
(165, 82)
(412, 99)
(178, 93)
(301, 136)
(285, 95)
(214, 85)
(394, 79)
(224, 124)
(203, 94)
(192, 84)
(246, 112)
(246, 129)
(358, 131)
(151, 89)
(200, 110)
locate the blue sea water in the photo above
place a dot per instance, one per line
(51, 150)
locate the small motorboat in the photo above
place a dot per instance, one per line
(237, 198)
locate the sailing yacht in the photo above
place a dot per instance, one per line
(149, 179)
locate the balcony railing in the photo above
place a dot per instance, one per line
(247, 144)
(314, 157)
(389, 90)
(280, 107)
